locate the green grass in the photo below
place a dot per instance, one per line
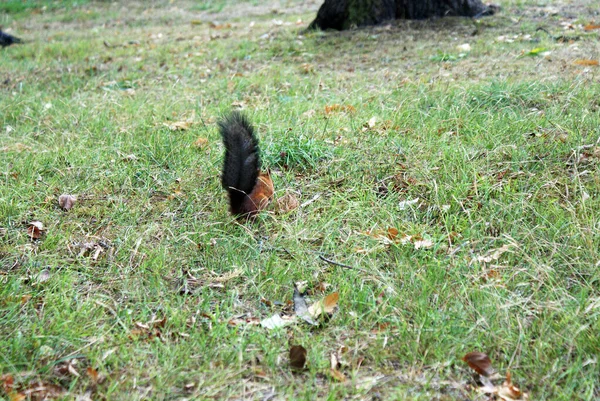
(499, 149)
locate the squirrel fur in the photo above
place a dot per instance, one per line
(250, 190)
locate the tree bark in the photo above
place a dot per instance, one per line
(344, 14)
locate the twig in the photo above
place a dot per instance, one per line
(324, 259)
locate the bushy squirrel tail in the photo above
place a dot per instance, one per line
(249, 190)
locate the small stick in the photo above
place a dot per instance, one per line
(323, 258)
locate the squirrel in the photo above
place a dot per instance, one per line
(250, 190)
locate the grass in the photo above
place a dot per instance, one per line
(500, 149)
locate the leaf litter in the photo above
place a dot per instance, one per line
(487, 374)
(310, 314)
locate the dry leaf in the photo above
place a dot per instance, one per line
(41, 391)
(586, 62)
(337, 375)
(286, 203)
(326, 305)
(480, 363)
(591, 27)
(92, 374)
(66, 202)
(274, 322)
(372, 121)
(178, 125)
(43, 276)
(406, 203)
(339, 108)
(493, 254)
(297, 357)
(201, 142)
(35, 229)
(508, 391)
(422, 243)
(465, 47)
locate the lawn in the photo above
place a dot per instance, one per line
(448, 170)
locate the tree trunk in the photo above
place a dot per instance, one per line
(344, 14)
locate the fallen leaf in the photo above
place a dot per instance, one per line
(337, 375)
(508, 391)
(339, 108)
(35, 229)
(92, 374)
(464, 47)
(480, 363)
(326, 305)
(406, 203)
(8, 382)
(42, 391)
(130, 158)
(423, 243)
(297, 357)
(201, 142)
(493, 254)
(372, 121)
(586, 62)
(286, 203)
(66, 202)
(43, 276)
(217, 26)
(591, 27)
(274, 322)
(178, 125)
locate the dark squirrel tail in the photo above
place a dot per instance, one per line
(242, 160)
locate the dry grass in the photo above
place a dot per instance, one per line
(490, 154)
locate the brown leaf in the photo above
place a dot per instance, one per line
(586, 62)
(35, 229)
(14, 396)
(8, 382)
(201, 142)
(509, 391)
(286, 203)
(92, 374)
(66, 202)
(326, 305)
(339, 108)
(480, 363)
(337, 375)
(392, 233)
(297, 357)
(591, 27)
(178, 125)
(43, 391)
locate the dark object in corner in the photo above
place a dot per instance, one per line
(344, 14)
(7, 40)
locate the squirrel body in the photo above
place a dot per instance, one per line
(249, 189)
